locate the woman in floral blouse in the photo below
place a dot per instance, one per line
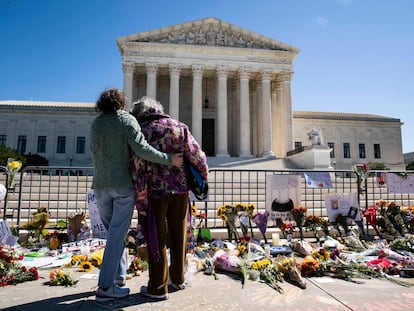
(162, 195)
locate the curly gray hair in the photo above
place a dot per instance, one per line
(145, 106)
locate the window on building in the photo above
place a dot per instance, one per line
(80, 144)
(347, 151)
(377, 151)
(41, 144)
(361, 148)
(61, 144)
(21, 143)
(298, 145)
(332, 146)
(3, 140)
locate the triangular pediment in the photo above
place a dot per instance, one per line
(210, 32)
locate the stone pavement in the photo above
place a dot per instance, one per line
(206, 293)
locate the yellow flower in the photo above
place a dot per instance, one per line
(96, 257)
(193, 210)
(86, 266)
(14, 165)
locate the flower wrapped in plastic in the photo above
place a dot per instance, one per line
(228, 214)
(58, 277)
(13, 166)
(299, 216)
(260, 219)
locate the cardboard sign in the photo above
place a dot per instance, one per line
(98, 229)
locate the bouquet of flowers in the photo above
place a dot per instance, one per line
(11, 270)
(58, 277)
(260, 219)
(13, 167)
(287, 230)
(228, 214)
(299, 215)
(245, 216)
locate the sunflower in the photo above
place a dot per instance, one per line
(86, 266)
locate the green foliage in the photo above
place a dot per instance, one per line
(27, 159)
(410, 166)
(377, 166)
(36, 160)
(6, 152)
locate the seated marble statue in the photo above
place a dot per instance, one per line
(315, 136)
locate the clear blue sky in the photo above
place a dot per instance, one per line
(355, 55)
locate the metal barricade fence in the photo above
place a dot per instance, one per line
(63, 191)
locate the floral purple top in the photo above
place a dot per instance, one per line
(171, 136)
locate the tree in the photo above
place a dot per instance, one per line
(27, 160)
(410, 166)
(6, 153)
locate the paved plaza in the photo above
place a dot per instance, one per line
(206, 293)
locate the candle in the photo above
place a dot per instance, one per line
(267, 250)
(275, 239)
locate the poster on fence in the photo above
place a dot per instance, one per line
(98, 229)
(400, 183)
(381, 179)
(318, 179)
(6, 237)
(282, 195)
(343, 204)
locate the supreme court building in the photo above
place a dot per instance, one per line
(227, 83)
(231, 86)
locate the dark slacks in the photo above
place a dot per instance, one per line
(171, 217)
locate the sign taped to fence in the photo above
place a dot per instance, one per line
(282, 195)
(98, 229)
(318, 179)
(343, 204)
(400, 183)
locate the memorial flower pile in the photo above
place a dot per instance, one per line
(12, 271)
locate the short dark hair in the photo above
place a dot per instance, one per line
(110, 101)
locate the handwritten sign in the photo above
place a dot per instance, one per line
(98, 229)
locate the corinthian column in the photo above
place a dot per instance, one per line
(277, 120)
(266, 115)
(197, 109)
(128, 70)
(152, 70)
(221, 113)
(286, 104)
(174, 110)
(244, 117)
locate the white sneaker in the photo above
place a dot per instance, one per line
(111, 293)
(144, 292)
(177, 286)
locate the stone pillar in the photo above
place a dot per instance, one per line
(152, 70)
(221, 113)
(197, 108)
(266, 115)
(174, 106)
(287, 108)
(253, 119)
(259, 118)
(244, 117)
(277, 119)
(128, 70)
